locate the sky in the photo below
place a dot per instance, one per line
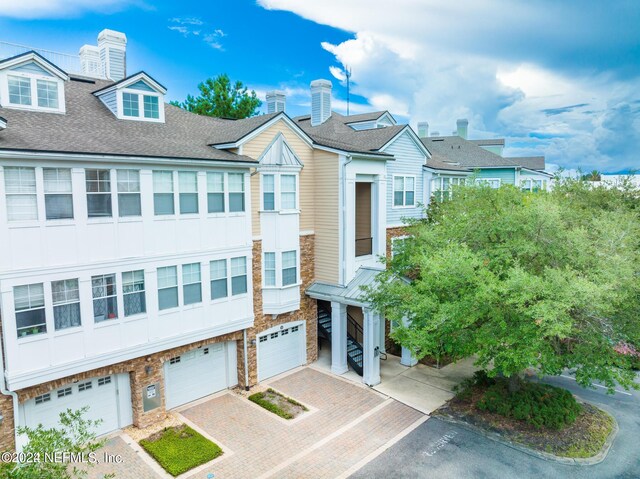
(554, 78)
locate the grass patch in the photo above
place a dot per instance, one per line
(539, 416)
(273, 401)
(180, 449)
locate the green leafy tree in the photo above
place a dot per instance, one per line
(594, 175)
(221, 98)
(548, 280)
(74, 438)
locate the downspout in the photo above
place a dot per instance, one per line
(14, 395)
(343, 185)
(246, 361)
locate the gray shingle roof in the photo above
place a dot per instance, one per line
(374, 115)
(531, 162)
(89, 127)
(467, 153)
(230, 131)
(335, 133)
(487, 142)
(438, 162)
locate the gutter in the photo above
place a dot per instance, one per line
(343, 184)
(14, 395)
(246, 361)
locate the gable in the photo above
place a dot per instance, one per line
(31, 67)
(408, 143)
(141, 85)
(279, 153)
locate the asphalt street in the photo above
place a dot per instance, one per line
(438, 449)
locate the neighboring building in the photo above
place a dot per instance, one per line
(483, 159)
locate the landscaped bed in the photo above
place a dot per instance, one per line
(179, 449)
(279, 404)
(541, 417)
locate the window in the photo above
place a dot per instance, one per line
(531, 185)
(490, 182)
(238, 275)
(236, 192)
(105, 380)
(130, 104)
(20, 187)
(404, 191)
(163, 193)
(442, 187)
(174, 360)
(105, 301)
(47, 94)
(129, 193)
(29, 305)
(19, 90)
(215, 192)
(269, 269)
(66, 304)
(288, 192)
(289, 268)
(218, 279)
(191, 283)
(58, 198)
(98, 193)
(133, 294)
(268, 193)
(167, 287)
(64, 392)
(188, 183)
(151, 107)
(43, 398)
(85, 386)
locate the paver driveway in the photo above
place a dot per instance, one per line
(348, 424)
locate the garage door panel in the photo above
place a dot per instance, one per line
(281, 350)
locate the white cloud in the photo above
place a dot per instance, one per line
(193, 26)
(58, 8)
(549, 76)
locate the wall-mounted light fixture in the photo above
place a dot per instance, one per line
(253, 342)
(148, 370)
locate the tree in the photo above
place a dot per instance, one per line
(594, 175)
(75, 436)
(220, 98)
(548, 280)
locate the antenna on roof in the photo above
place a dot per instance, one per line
(347, 73)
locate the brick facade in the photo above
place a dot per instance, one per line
(307, 311)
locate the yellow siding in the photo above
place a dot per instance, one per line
(257, 146)
(326, 216)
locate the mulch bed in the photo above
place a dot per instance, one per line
(584, 438)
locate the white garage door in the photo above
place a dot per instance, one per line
(281, 348)
(199, 372)
(108, 398)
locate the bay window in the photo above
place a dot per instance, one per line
(58, 198)
(269, 269)
(289, 268)
(288, 192)
(215, 192)
(29, 307)
(268, 192)
(133, 290)
(129, 203)
(66, 304)
(98, 183)
(20, 188)
(167, 287)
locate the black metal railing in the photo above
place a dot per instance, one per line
(354, 329)
(364, 246)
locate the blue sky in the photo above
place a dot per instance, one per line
(560, 79)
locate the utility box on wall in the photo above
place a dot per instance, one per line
(151, 397)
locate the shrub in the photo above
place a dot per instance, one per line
(540, 405)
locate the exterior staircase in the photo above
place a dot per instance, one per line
(354, 337)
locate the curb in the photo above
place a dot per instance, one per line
(587, 461)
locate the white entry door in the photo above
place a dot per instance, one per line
(200, 372)
(108, 398)
(281, 348)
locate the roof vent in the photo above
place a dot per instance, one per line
(320, 101)
(276, 101)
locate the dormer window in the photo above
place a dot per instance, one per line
(30, 82)
(138, 97)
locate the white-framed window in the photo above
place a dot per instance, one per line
(531, 185)
(268, 192)
(34, 91)
(404, 191)
(20, 189)
(218, 269)
(98, 183)
(236, 192)
(133, 293)
(151, 106)
(288, 192)
(289, 268)
(130, 104)
(47, 94)
(129, 202)
(269, 269)
(105, 297)
(139, 105)
(490, 182)
(188, 192)
(66, 304)
(215, 192)
(28, 301)
(167, 287)
(58, 195)
(191, 283)
(238, 275)
(19, 90)
(442, 187)
(163, 203)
